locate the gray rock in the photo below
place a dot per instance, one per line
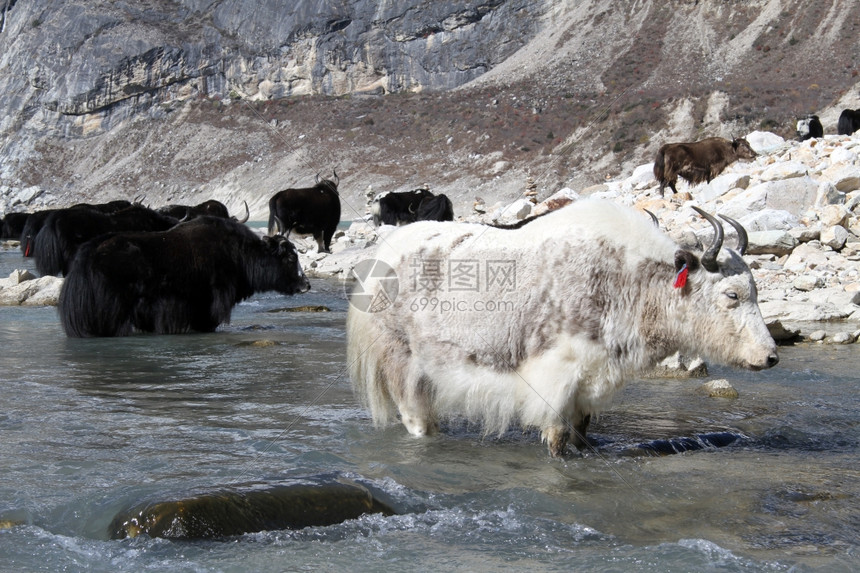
(817, 335)
(777, 243)
(828, 194)
(805, 234)
(768, 220)
(720, 388)
(843, 338)
(834, 237)
(780, 333)
(808, 282)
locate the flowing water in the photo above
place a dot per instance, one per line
(91, 427)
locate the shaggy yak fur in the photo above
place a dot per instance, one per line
(538, 326)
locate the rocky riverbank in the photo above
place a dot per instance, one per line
(800, 203)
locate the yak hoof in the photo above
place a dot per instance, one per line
(556, 441)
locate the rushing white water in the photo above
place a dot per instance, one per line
(91, 427)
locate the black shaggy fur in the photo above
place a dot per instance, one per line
(435, 208)
(12, 225)
(66, 229)
(36, 220)
(849, 122)
(211, 207)
(186, 278)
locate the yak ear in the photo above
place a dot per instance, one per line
(683, 257)
(685, 262)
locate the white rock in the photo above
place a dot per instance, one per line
(831, 215)
(784, 170)
(808, 282)
(778, 243)
(764, 142)
(805, 256)
(793, 195)
(843, 338)
(768, 220)
(721, 388)
(844, 177)
(843, 155)
(834, 237)
(721, 185)
(644, 174)
(828, 194)
(500, 167)
(515, 211)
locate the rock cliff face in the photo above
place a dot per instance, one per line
(182, 100)
(78, 58)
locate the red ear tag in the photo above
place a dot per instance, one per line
(681, 278)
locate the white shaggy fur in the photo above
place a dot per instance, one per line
(593, 304)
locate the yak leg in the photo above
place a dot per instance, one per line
(321, 246)
(416, 412)
(579, 429)
(557, 437)
(327, 236)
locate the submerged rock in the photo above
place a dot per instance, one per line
(670, 446)
(719, 389)
(248, 509)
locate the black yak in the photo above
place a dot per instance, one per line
(186, 278)
(307, 211)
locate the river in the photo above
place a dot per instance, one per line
(90, 427)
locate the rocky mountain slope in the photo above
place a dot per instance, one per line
(185, 100)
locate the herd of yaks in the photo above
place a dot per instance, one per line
(183, 267)
(130, 268)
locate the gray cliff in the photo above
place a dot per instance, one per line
(185, 100)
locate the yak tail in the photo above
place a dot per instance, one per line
(660, 166)
(88, 307)
(366, 366)
(48, 252)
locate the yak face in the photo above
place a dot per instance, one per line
(743, 150)
(730, 326)
(288, 275)
(722, 305)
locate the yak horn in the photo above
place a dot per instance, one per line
(247, 213)
(743, 239)
(336, 178)
(653, 218)
(709, 258)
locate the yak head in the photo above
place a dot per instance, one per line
(330, 184)
(287, 275)
(743, 150)
(722, 313)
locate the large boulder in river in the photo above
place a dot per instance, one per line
(248, 509)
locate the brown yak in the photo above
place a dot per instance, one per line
(698, 162)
